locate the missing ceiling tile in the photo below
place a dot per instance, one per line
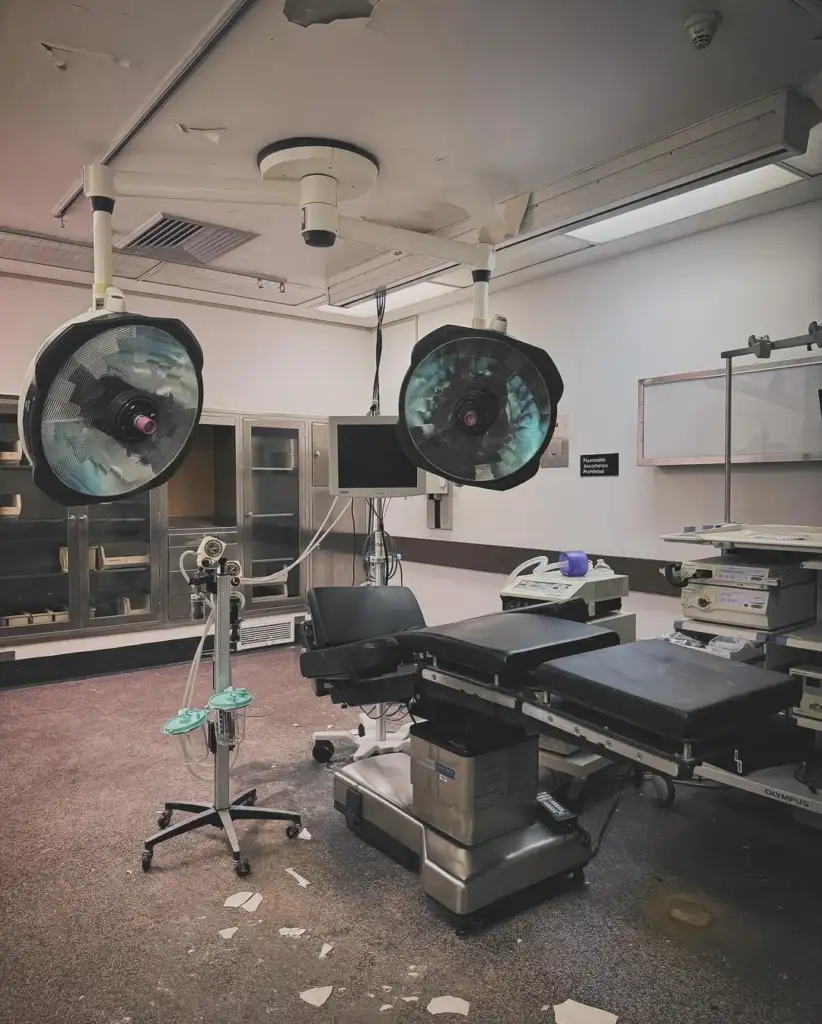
(325, 12)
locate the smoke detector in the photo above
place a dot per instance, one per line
(701, 28)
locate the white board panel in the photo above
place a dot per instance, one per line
(776, 415)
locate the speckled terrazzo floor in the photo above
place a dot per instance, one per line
(86, 937)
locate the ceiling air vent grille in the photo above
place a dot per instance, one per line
(183, 241)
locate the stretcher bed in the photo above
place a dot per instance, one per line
(653, 704)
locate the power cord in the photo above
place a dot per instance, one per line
(611, 812)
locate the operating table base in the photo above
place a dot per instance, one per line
(468, 885)
(241, 808)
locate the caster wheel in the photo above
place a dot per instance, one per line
(361, 730)
(462, 931)
(578, 878)
(164, 820)
(293, 830)
(664, 789)
(323, 751)
(251, 801)
(146, 859)
(242, 867)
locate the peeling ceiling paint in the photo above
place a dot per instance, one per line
(326, 12)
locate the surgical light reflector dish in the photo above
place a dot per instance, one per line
(109, 406)
(478, 407)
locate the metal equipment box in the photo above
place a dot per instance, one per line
(769, 609)
(474, 793)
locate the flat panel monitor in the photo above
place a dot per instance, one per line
(366, 461)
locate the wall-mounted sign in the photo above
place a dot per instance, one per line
(599, 465)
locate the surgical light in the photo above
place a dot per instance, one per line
(109, 406)
(478, 407)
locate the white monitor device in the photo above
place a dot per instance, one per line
(366, 461)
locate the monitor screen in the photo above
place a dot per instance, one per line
(367, 459)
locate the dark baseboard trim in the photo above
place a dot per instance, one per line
(59, 668)
(643, 573)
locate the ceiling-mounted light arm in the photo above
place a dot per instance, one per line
(479, 256)
(98, 187)
(103, 185)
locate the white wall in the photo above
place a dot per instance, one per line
(667, 309)
(253, 362)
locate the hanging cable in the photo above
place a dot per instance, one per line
(379, 299)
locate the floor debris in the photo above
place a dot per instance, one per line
(316, 996)
(228, 933)
(386, 1006)
(449, 1004)
(304, 834)
(327, 947)
(238, 899)
(292, 933)
(386, 988)
(571, 1012)
(298, 878)
(410, 999)
(252, 904)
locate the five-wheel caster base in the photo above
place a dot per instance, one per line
(242, 808)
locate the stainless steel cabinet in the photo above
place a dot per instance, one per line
(68, 569)
(273, 468)
(260, 483)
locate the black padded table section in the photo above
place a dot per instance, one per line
(676, 692)
(355, 661)
(505, 642)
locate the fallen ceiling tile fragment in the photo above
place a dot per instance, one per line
(327, 947)
(571, 1012)
(449, 1004)
(228, 933)
(292, 933)
(304, 834)
(410, 999)
(252, 904)
(238, 899)
(302, 882)
(316, 996)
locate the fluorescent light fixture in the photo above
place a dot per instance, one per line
(395, 299)
(687, 204)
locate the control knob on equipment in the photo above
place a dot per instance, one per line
(703, 602)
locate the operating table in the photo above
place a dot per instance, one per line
(463, 809)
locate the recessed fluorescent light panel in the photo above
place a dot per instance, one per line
(395, 299)
(687, 204)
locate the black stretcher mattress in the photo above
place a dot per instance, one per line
(505, 643)
(673, 691)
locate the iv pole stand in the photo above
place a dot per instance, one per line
(224, 811)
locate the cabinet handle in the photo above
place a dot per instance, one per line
(72, 518)
(317, 453)
(249, 515)
(83, 517)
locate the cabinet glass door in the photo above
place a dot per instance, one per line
(36, 590)
(273, 485)
(118, 541)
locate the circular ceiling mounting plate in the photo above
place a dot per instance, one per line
(354, 169)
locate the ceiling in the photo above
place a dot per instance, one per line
(464, 103)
